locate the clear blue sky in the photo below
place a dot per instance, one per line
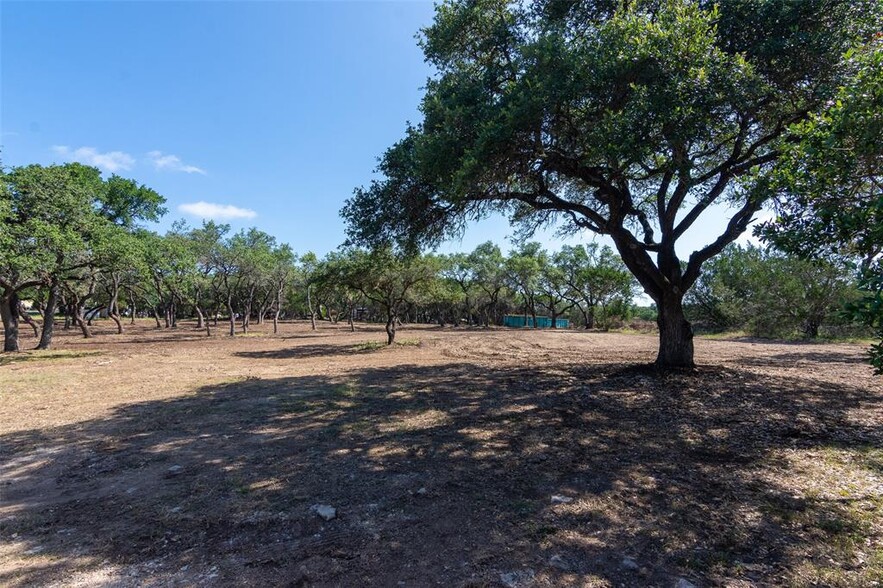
(269, 111)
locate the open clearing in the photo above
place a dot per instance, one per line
(164, 458)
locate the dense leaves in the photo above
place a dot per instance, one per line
(829, 187)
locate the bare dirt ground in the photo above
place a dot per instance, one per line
(165, 458)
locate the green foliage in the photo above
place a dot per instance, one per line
(829, 187)
(770, 294)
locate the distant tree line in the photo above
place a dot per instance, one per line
(767, 293)
(73, 246)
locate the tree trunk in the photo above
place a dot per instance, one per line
(49, 318)
(113, 310)
(116, 319)
(246, 318)
(310, 308)
(811, 329)
(27, 318)
(9, 314)
(590, 317)
(232, 317)
(391, 328)
(200, 318)
(675, 335)
(80, 319)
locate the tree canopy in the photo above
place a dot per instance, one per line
(628, 119)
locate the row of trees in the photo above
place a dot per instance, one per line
(588, 283)
(72, 243)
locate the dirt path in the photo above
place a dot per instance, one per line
(163, 458)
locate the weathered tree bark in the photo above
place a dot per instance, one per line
(49, 316)
(156, 317)
(200, 317)
(391, 321)
(9, 314)
(675, 335)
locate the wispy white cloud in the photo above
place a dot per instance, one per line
(211, 210)
(112, 161)
(167, 162)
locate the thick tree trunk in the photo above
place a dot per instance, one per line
(200, 318)
(675, 335)
(811, 329)
(590, 317)
(49, 318)
(9, 315)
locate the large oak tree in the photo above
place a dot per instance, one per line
(624, 118)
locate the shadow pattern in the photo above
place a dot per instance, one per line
(439, 474)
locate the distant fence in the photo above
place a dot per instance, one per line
(543, 322)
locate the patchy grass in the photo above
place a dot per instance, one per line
(44, 355)
(377, 345)
(179, 459)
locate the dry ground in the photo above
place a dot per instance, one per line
(164, 458)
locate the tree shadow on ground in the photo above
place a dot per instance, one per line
(440, 474)
(806, 357)
(307, 351)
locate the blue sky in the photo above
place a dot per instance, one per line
(262, 114)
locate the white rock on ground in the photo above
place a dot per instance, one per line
(558, 499)
(325, 511)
